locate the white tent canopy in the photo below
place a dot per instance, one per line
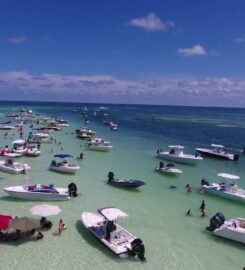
(229, 176)
(112, 213)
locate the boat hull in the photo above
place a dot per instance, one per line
(64, 169)
(37, 196)
(185, 159)
(224, 194)
(209, 153)
(126, 183)
(231, 233)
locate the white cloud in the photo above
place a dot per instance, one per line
(152, 23)
(18, 40)
(195, 50)
(240, 39)
(105, 88)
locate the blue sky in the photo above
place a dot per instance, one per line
(138, 51)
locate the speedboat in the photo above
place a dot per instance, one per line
(33, 151)
(176, 154)
(10, 166)
(130, 183)
(63, 166)
(233, 229)
(83, 136)
(168, 169)
(42, 192)
(99, 144)
(86, 130)
(19, 147)
(104, 227)
(113, 126)
(217, 151)
(226, 190)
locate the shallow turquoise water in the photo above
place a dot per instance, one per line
(156, 213)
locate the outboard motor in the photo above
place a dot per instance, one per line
(236, 156)
(110, 176)
(138, 249)
(216, 222)
(204, 182)
(161, 165)
(72, 190)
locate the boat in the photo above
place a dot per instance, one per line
(64, 166)
(61, 121)
(104, 227)
(130, 183)
(83, 136)
(226, 190)
(176, 154)
(217, 151)
(86, 130)
(233, 229)
(6, 127)
(19, 147)
(113, 126)
(99, 144)
(10, 166)
(42, 192)
(33, 151)
(168, 169)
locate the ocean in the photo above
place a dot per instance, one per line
(172, 240)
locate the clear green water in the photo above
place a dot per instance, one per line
(156, 213)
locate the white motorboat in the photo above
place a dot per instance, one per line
(63, 166)
(6, 127)
(42, 192)
(33, 151)
(217, 151)
(99, 144)
(10, 166)
(19, 147)
(86, 130)
(226, 190)
(84, 136)
(104, 227)
(176, 154)
(113, 126)
(233, 229)
(40, 135)
(168, 169)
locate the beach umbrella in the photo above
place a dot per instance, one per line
(4, 222)
(24, 224)
(45, 210)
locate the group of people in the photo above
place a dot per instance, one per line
(46, 225)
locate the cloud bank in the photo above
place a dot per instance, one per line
(195, 50)
(17, 40)
(102, 88)
(151, 23)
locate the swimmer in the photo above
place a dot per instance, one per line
(188, 213)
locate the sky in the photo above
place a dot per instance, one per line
(170, 52)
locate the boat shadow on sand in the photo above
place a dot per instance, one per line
(95, 243)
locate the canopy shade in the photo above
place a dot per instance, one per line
(62, 155)
(176, 146)
(24, 224)
(217, 145)
(4, 222)
(45, 210)
(18, 142)
(112, 213)
(229, 176)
